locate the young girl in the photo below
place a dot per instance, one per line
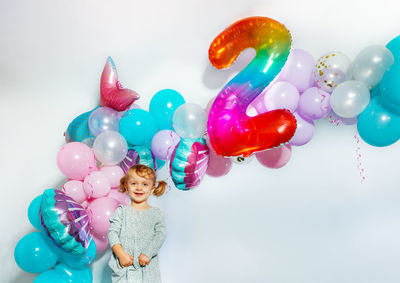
(137, 231)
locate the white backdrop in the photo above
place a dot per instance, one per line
(311, 221)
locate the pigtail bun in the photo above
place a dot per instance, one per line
(159, 191)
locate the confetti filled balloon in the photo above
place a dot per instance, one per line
(332, 69)
(112, 94)
(232, 132)
(189, 163)
(65, 221)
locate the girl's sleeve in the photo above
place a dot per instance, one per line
(160, 233)
(114, 231)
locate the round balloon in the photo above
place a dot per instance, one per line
(110, 148)
(164, 143)
(74, 189)
(65, 221)
(96, 185)
(163, 105)
(138, 127)
(72, 275)
(189, 121)
(103, 119)
(390, 88)
(275, 157)
(113, 174)
(281, 95)
(314, 104)
(100, 211)
(304, 131)
(50, 276)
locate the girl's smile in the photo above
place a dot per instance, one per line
(139, 189)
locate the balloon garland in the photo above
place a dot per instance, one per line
(287, 90)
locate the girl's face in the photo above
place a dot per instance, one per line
(139, 188)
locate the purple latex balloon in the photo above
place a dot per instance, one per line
(282, 95)
(314, 104)
(163, 144)
(298, 70)
(304, 131)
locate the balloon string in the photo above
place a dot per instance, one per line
(323, 98)
(359, 163)
(334, 120)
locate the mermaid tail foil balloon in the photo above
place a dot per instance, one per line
(231, 131)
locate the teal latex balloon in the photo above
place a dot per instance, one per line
(138, 127)
(163, 106)
(33, 254)
(390, 87)
(50, 276)
(394, 47)
(377, 125)
(33, 212)
(72, 275)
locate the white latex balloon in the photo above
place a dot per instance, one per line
(190, 121)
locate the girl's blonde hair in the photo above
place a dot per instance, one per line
(144, 172)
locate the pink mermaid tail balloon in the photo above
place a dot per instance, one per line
(112, 94)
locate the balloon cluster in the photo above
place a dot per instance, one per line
(265, 110)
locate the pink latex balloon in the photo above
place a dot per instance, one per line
(298, 70)
(96, 185)
(218, 165)
(100, 211)
(76, 160)
(101, 242)
(112, 94)
(113, 174)
(74, 189)
(275, 157)
(122, 198)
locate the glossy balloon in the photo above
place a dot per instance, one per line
(112, 94)
(304, 131)
(231, 131)
(72, 275)
(75, 160)
(350, 98)
(100, 210)
(74, 189)
(96, 185)
(163, 105)
(113, 174)
(275, 157)
(138, 127)
(138, 155)
(390, 88)
(33, 212)
(377, 125)
(394, 47)
(281, 95)
(314, 104)
(371, 63)
(49, 276)
(101, 242)
(110, 148)
(190, 121)
(189, 163)
(32, 254)
(164, 143)
(103, 119)
(65, 221)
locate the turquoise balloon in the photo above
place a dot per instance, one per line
(394, 47)
(50, 276)
(33, 212)
(163, 106)
(72, 275)
(390, 88)
(377, 125)
(160, 163)
(138, 127)
(33, 254)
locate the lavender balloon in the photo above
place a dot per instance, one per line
(304, 131)
(103, 119)
(298, 69)
(163, 144)
(314, 104)
(282, 95)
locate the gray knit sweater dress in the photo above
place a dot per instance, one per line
(139, 232)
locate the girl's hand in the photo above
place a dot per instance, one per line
(125, 260)
(144, 260)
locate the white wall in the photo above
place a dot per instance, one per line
(311, 221)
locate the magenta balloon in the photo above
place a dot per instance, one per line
(275, 157)
(74, 189)
(298, 70)
(304, 131)
(101, 242)
(96, 185)
(100, 211)
(76, 160)
(122, 198)
(282, 95)
(314, 104)
(218, 165)
(113, 174)
(163, 144)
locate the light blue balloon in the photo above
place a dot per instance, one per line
(50, 276)
(138, 127)
(33, 254)
(394, 47)
(377, 125)
(72, 275)
(390, 87)
(33, 212)
(163, 106)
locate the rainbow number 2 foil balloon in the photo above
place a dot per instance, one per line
(231, 131)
